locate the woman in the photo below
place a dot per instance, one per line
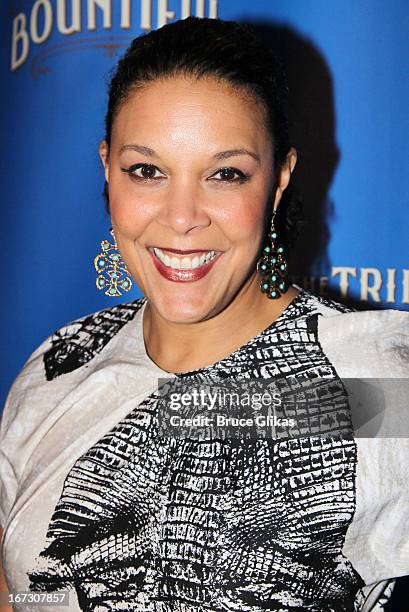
(95, 499)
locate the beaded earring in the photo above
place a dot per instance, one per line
(273, 266)
(113, 267)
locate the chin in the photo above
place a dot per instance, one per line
(182, 308)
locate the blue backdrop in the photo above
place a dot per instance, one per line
(348, 64)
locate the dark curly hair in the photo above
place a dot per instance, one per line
(226, 50)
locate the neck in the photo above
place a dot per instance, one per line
(178, 347)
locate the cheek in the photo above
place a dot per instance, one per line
(128, 213)
(244, 221)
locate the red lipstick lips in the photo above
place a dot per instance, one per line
(183, 276)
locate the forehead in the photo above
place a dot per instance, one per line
(206, 110)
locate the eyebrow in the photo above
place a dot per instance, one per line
(235, 152)
(221, 155)
(139, 148)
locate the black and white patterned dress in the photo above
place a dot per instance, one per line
(129, 519)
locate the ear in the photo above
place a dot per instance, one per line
(284, 175)
(104, 155)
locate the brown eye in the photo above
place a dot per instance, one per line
(148, 172)
(227, 174)
(231, 175)
(142, 171)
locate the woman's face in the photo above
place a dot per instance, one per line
(190, 169)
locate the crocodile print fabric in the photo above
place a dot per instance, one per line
(146, 523)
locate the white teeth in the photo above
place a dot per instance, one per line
(186, 262)
(175, 263)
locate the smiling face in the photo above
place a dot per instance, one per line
(190, 174)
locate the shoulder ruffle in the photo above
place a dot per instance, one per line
(367, 343)
(30, 401)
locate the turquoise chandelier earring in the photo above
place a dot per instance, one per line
(272, 266)
(113, 274)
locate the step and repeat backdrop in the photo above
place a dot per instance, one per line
(347, 64)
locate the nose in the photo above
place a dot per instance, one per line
(183, 208)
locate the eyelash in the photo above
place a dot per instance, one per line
(242, 176)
